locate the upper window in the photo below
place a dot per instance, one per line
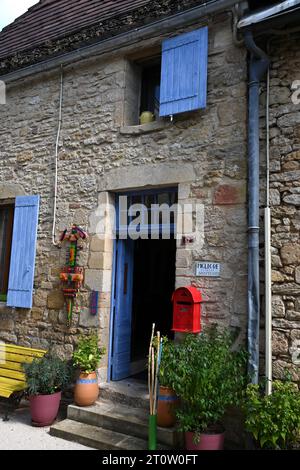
(167, 83)
(6, 226)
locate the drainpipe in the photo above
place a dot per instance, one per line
(258, 66)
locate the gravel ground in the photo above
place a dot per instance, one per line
(18, 434)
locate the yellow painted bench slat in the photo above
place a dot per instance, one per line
(22, 351)
(5, 393)
(10, 382)
(12, 374)
(11, 366)
(4, 357)
(12, 377)
(18, 385)
(22, 348)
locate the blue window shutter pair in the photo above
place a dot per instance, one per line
(22, 261)
(184, 73)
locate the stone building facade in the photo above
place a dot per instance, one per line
(102, 152)
(285, 203)
(203, 153)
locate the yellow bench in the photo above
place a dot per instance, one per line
(12, 377)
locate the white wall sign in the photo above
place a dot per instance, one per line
(208, 269)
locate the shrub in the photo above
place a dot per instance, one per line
(168, 365)
(210, 377)
(273, 420)
(88, 354)
(47, 375)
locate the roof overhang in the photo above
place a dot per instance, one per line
(163, 25)
(276, 13)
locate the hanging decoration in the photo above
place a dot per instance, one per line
(72, 275)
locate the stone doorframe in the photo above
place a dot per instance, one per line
(99, 275)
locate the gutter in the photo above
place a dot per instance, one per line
(269, 13)
(125, 39)
(259, 64)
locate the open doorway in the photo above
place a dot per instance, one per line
(144, 283)
(153, 285)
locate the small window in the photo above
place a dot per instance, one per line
(150, 88)
(142, 88)
(6, 227)
(169, 80)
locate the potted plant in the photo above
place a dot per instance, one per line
(87, 357)
(211, 377)
(167, 398)
(46, 378)
(273, 420)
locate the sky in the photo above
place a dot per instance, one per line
(11, 9)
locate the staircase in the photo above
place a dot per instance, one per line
(117, 421)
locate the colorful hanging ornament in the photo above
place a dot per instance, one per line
(72, 275)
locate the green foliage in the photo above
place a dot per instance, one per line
(88, 354)
(273, 420)
(210, 377)
(168, 363)
(47, 375)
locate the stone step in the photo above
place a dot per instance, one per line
(129, 392)
(115, 417)
(97, 438)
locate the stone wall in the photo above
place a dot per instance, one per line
(285, 204)
(204, 152)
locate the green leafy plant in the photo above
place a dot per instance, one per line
(47, 375)
(210, 378)
(88, 354)
(273, 420)
(168, 364)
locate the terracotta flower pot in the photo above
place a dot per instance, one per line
(166, 407)
(86, 389)
(44, 408)
(206, 442)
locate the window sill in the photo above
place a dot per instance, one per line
(145, 128)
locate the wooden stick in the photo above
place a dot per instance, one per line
(149, 367)
(152, 379)
(156, 373)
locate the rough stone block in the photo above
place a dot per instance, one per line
(56, 300)
(278, 308)
(229, 194)
(100, 260)
(280, 343)
(93, 279)
(274, 197)
(101, 245)
(87, 320)
(277, 276)
(290, 253)
(6, 324)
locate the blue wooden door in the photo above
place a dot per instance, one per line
(123, 310)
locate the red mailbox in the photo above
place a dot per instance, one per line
(187, 310)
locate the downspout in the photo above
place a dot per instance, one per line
(259, 63)
(268, 262)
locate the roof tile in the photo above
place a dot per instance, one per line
(53, 19)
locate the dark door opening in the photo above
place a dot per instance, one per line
(153, 285)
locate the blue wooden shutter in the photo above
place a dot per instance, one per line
(123, 311)
(184, 73)
(21, 274)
